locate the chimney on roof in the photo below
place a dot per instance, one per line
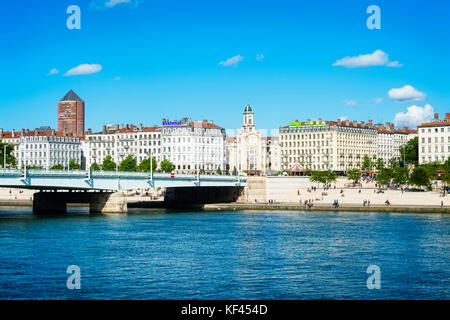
(388, 125)
(355, 123)
(140, 126)
(104, 128)
(22, 131)
(53, 132)
(339, 121)
(210, 121)
(362, 123)
(404, 128)
(127, 126)
(36, 131)
(370, 123)
(308, 120)
(89, 131)
(28, 131)
(436, 116)
(392, 126)
(116, 127)
(447, 115)
(347, 122)
(13, 133)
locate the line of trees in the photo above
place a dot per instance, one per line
(130, 164)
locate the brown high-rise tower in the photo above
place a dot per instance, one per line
(71, 114)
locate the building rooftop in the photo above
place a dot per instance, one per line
(129, 128)
(248, 109)
(71, 96)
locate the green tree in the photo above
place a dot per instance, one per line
(108, 164)
(353, 175)
(432, 168)
(317, 176)
(202, 171)
(73, 165)
(10, 159)
(324, 177)
(420, 177)
(366, 164)
(144, 165)
(384, 176)
(379, 164)
(167, 166)
(410, 152)
(393, 162)
(57, 167)
(219, 171)
(128, 164)
(95, 167)
(331, 176)
(400, 175)
(234, 173)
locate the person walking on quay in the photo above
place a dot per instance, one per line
(368, 203)
(442, 203)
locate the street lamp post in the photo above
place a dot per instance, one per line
(4, 157)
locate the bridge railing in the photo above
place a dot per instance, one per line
(115, 174)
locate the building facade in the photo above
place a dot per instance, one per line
(321, 145)
(71, 115)
(434, 140)
(250, 151)
(119, 141)
(193, 145)
(47, 148)
(390, 140)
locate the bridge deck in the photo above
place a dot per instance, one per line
(110, 180)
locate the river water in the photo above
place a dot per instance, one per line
(151, 254)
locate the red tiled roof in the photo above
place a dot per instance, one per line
(204, 124)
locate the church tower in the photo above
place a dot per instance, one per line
(248, 124)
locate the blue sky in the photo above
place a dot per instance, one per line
(163, 59)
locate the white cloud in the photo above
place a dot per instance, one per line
(117, 78)
(103, 4)
(53, 71)
(259, 56)
(84, 69)
(351, 102)
(378, 100)
(232, 61)
(414, 116)
(377, 58)
(406, 94)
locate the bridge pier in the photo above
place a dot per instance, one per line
(201, 195)
(99, 202)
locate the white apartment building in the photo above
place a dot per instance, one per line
(389, 140)
(42, 147)
(321, 145)
(434, 140)
(193, 145)
(120, 141)
(11, 137)
(46, 149)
